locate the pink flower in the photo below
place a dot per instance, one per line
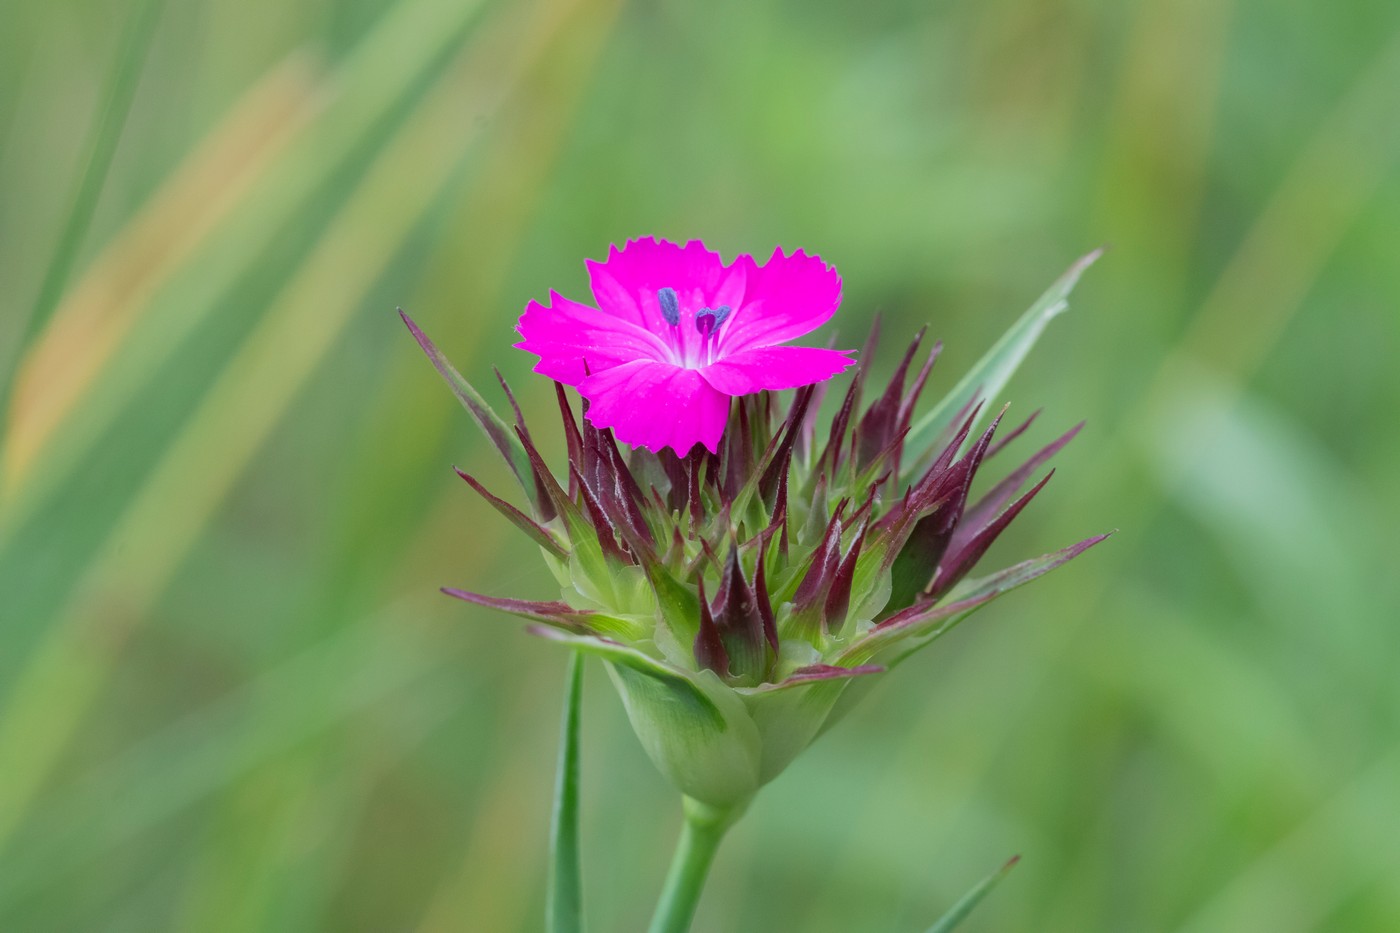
(676, 333)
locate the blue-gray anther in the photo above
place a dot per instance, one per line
(707, 321)
(670, 308)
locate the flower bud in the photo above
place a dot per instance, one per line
(737, 581)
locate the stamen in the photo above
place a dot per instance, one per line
(707, 321)
(670, 307)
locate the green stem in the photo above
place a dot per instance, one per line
(704, 827)
(564, 892)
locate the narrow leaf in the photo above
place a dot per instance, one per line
(602, 524)
(490, 423)
(583, 540)
(571, 435)
(564, 896)
(959, 911)
(679, 607)
(709, 647)
(927, 619)
(553, 613)
(1019, 575)
(537, 532)
(542, 504)
(683, 694)
(106, 132)
(881, 420)
(958, 564)
(1005, 440)
(838, 596)
(924, 545)
(765, 604)
(814, 673)
(989, 376)
(987, 508)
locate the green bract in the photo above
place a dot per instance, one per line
(736, 596)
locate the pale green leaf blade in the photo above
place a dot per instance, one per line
(106, 133)
(491, 424)
(102, 146)
(959, 911)
(564, 897)
(991, 373)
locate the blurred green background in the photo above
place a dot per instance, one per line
(230, 695)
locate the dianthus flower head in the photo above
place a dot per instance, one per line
(676, 333)
(737, 587)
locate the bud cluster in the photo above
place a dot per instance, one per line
(735, 594)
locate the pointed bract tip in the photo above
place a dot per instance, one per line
(1091, 257)
(1079, 547)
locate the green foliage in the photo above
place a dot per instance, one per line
(231, 697)
(982, 385)
(959, 912)
(564, 898)
(491, 424)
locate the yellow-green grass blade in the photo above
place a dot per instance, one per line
(159, 523)
(101, 147)
(362, 103)
(94, 320)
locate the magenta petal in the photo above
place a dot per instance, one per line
(774, 368)
(627, 282)
(655, 405)
(784, 298)
(565, 335)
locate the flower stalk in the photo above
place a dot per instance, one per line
(701, 833)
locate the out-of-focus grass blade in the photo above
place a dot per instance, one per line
(991, 373)
(165, 516)
(106, 132)
(238, 873)
(564, 900)
(959, 911)
(362, 104)
(1233, 461)
(96, 315)
(501, 848)
(358, 668)
(1342, 847)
